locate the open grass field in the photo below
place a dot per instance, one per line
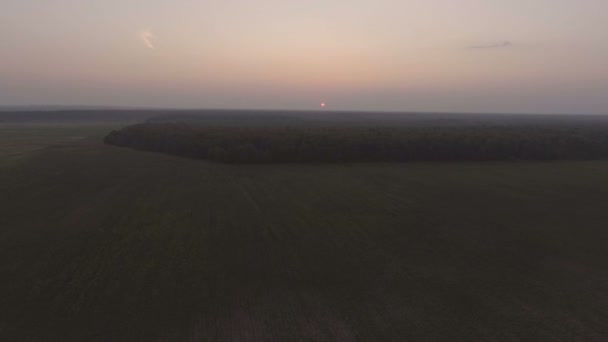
(19, 140)
(100, 243)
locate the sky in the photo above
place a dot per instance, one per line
(508, 56)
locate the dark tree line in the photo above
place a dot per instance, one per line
(360, 144)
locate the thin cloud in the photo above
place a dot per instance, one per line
(497, 45)
(148, 38)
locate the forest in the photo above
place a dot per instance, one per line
(351, 143)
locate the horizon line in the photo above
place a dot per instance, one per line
(58, 108)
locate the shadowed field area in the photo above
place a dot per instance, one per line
(103, 243)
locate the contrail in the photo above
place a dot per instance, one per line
(147, 37)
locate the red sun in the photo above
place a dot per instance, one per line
(323, 105)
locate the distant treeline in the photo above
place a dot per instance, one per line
(360, 144)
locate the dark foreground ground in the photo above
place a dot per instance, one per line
(100, 243)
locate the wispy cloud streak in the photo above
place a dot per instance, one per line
(147, 38)
(497, 45)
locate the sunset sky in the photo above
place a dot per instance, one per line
(535, 56)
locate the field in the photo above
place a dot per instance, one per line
(101, 243)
